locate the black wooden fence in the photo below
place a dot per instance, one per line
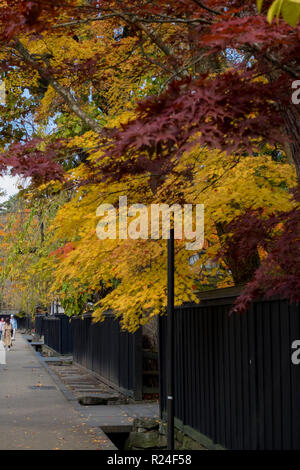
(113, 354)
(25, 322)
(234, 379)
(56, 331)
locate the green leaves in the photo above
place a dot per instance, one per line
(259, 4)
(74, 301)
(289, 9)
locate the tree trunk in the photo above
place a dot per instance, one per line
(291, 118)
(291, 126)
(242, 270)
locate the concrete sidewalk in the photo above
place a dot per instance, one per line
(34, 414)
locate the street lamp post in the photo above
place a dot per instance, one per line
(170, 341)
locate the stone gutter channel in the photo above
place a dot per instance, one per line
(128, 425)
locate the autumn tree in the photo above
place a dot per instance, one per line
(129, 88)
(184, 37)
(128, 276)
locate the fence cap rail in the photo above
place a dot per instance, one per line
(228, 295)
(107, 313)
(224, 293)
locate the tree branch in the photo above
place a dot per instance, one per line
(161, 20)
(64, 93)
(204, 7)
(254, 48)
(153, 61)
(153, 36)
(87, 20)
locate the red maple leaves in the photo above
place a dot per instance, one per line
(229, 112)
(63, 251)
(279, 237)
(27, 160)
(234, 109)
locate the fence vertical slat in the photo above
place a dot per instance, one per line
(295, 377)
(192, 361)
(138, 366)
(185, 374)
(227, 392)
(206, 372)
(260, 376)
(233, 384)
(212, 405)
(246, 365)
(251, 324)
(195, 355)
(220, 360)
(277, 378)
(238, 380)
(286, 376)
(268, 374)
(200, 391)
(178, 404)
(216, 371)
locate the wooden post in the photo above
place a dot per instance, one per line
(170, 342)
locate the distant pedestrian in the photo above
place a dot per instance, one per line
(6, 334)
(14, 326)
(2, 323)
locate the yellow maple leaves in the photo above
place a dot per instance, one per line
(128, 276)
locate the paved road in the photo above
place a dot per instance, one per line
(38, 418)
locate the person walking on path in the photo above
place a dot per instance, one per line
(6, 334)
(14, 326)
(2, 323)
